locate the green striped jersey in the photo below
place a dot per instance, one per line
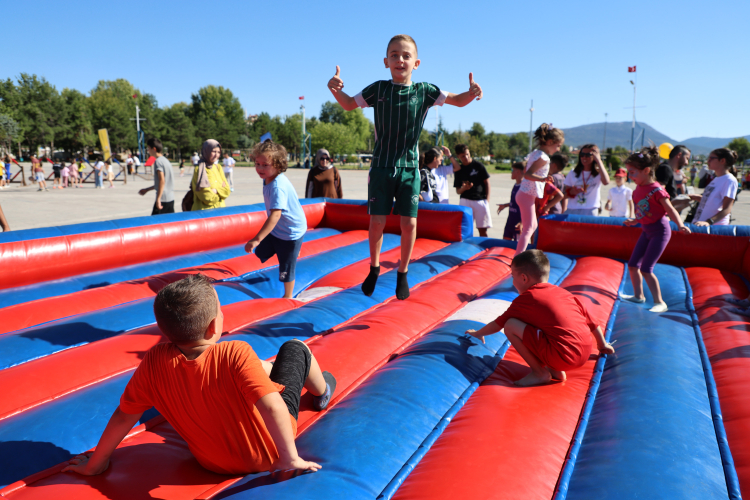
(400, 111)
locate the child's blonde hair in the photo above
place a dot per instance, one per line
(275, 153)
(401, 38)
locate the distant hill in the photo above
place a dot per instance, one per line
(618, 134)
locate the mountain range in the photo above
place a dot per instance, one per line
(619, 133)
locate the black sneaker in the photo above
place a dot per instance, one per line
(320, 403)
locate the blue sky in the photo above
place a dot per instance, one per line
(570, 57)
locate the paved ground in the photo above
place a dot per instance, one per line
(26, 208)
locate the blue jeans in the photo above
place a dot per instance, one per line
(98, 182)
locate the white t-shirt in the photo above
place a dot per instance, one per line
(136, 160)
(129, 161)
(713, 198)
(442, 186)
(535, 188)
(592, 197)
(619, 196)
(99, 165)
(195, 159)
(228, 164)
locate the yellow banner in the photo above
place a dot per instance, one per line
(104, 139)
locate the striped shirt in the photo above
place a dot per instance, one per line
(400, 111)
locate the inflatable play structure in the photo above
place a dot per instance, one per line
(421, 411)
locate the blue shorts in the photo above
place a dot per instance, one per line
(287, 252)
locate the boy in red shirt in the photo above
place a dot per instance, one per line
(552, 196)
(237, 413)
(546, 324)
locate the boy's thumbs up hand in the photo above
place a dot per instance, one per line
(474, 87)
(336, 83)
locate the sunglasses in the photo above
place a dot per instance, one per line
(586, 155)
(324, 158)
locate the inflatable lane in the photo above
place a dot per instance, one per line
(652, 428)
(726, 335)
(512, 442)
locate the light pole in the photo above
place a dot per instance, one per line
(604, 142)
(632, 130)
(531, 123)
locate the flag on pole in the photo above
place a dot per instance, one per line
(631, 69)
(301, 98)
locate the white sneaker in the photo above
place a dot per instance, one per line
(659, 308)
(631, 298)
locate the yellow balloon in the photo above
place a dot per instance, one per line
(665, 149)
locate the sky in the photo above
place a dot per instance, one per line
(570, 57)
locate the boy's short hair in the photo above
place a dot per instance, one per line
(155, 143)
(460, 148)
(532, 263)
(275, 153)
(519, 165)
(400, 38)
(185, 308)
(560, 160)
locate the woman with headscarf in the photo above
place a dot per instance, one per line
(323, 180)
(210, 187)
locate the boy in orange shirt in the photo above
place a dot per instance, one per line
(546, 324)
(237, 413)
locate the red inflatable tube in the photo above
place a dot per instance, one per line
(36, 382)
(511, 442)
(34, 261)
(171, 470)
(433, 225)
(617, 242)
(727, 339)
(40, 311)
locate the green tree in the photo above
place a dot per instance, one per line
(742, 147)
(112, 106)
(218, 114)
(335, 137)
(360, 127)
(518, 144)
(75, 132)
(332, 112)
(9, 131)
(179, 131)
(37, 108)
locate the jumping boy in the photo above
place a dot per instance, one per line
(237, 413)
(546, 324)
(282, 233)
(400, 110)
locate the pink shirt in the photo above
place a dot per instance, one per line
(647, 201)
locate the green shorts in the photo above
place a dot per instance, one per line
(385, 184)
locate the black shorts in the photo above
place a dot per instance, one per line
(291, 369)
(287, 252)
(167, 207)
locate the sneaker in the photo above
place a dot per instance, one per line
(320, 403)
(631, 298)
(659, 308)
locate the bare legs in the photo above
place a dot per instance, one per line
(540, 374)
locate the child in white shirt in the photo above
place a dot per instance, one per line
(620, 197)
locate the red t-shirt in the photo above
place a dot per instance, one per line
(559, 314)
(210, 401)
(648, 209)
(549, 191)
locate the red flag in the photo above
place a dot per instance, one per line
(135, 96)
(631, 69)
(301, 98)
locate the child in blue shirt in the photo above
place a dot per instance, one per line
(282, 233)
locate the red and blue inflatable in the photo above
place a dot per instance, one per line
(420, 410)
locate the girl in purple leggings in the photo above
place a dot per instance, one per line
(652, 207)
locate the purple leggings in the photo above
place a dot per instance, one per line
(651, 245)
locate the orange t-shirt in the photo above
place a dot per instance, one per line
(210, 401)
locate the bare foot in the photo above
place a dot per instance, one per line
(557, 375)
(534, 379)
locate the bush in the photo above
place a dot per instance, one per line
(352, 159)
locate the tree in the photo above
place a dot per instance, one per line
(75, 132)
(335, 137)
(217, 114)
(360, 127)
(518, 144)
(332, 112)
(179, 131)
(9, 130)
(112, 105)
(37, 107)
(742, 147)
